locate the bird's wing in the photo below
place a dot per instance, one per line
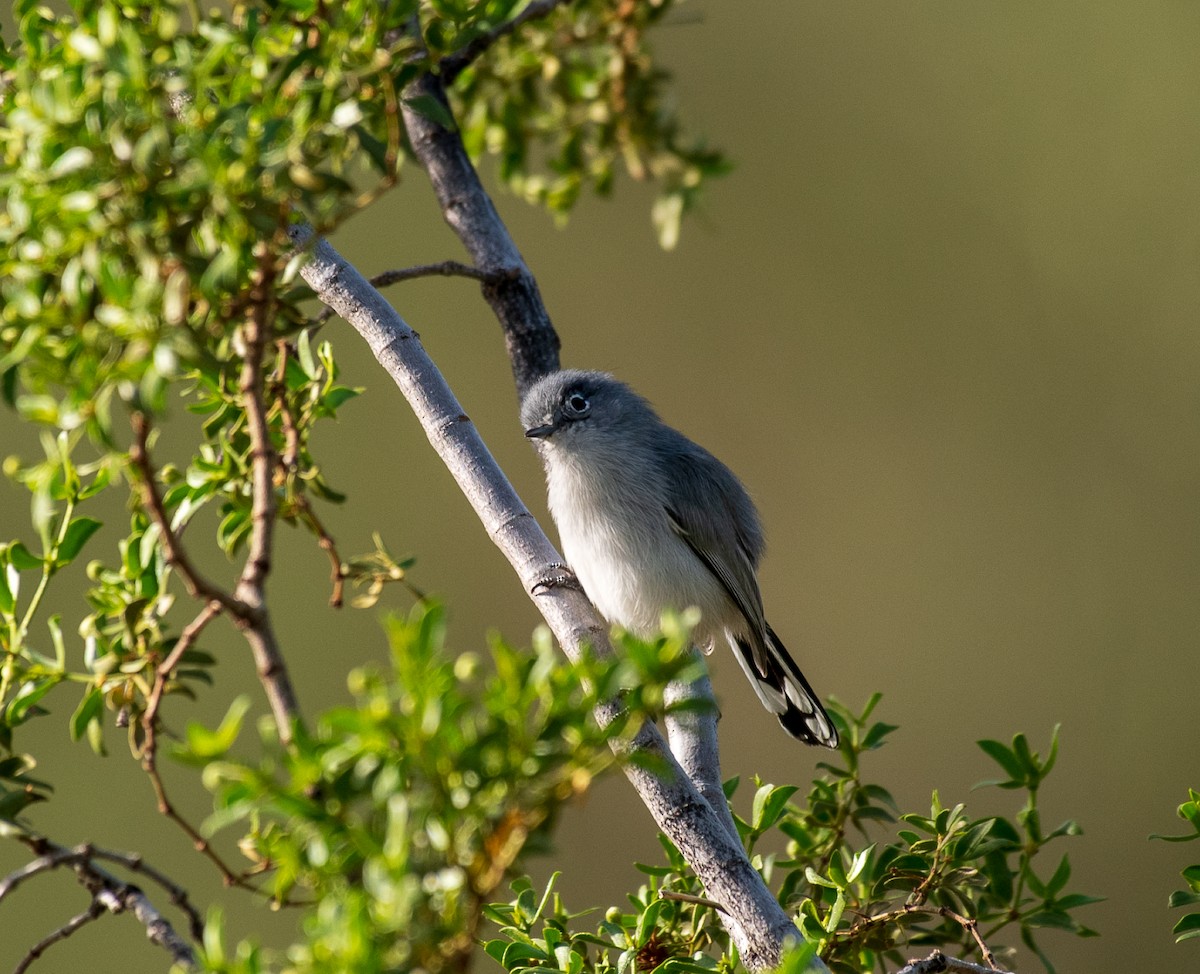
(772, 672)
(703, 521)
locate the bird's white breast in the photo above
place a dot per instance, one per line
(617, 538)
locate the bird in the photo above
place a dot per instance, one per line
(650, 521)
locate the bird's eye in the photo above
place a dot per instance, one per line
(576, 405)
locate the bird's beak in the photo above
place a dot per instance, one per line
(537, 432)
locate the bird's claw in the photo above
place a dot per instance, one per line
(555, 576)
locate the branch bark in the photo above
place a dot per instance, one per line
(757, 923)
(937, 962)
(108, 894)
(509, 287)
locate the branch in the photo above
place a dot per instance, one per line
(198, 587)
(937, 962)
(94, 911)
(509, 287)
(451, 66)
(969, 925)
(250, 617)
(162, 673)
(108, 894)
(255, 623)
(289, 460)
(692, 732)
(757, 923)
(445, 268)
(533, 348)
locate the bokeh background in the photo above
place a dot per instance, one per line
(941, 318)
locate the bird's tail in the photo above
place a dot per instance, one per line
(783, 689)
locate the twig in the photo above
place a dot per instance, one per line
(337, 569)
(445, 268)
(969, 925)
(453, 65)
(196, 584)
(150, 746)
(289, 460)
(666, 894)
(246, 605)
(94, 911)
(255, 622)
(199, 843)
(108, 893)
(937, 962)
(162, 674)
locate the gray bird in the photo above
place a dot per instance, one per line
(651, 521)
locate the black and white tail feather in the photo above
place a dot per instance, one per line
(784, 691)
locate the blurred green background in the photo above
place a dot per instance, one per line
(941, 319)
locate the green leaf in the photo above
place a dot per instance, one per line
(817, 879)
(89, 710)
(78, 532)
(8, 599)
(29, 694)
(769, 802)
(304, 349)
(1003, 757)
(1060, 877)
(21, 557)
(203, 745)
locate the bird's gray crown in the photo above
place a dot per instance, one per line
(576, 398)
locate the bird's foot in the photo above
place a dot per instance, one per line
(555, 576)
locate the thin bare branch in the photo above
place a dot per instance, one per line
(167, 808)
(666, 894)
(45, 862)
(289, 460)
(510, 289)
(162, 674)
(196, 584)
(452, 65)
(337, 568)
(94, 911)
(255, 623)
(445, 268)
(109, 893)
(937, 962)
(891, 916)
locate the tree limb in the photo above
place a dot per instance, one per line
(510, 288)
(444, 268)
(757, 923)
(94, 911)
(108, 894)
(937, 962)
(245, 606)
(256, 623)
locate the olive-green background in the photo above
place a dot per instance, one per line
(941, 319)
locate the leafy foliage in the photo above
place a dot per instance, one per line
(936, 881)
(400, 815)
(578, 93)
(152, 158)
(1188, 925)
